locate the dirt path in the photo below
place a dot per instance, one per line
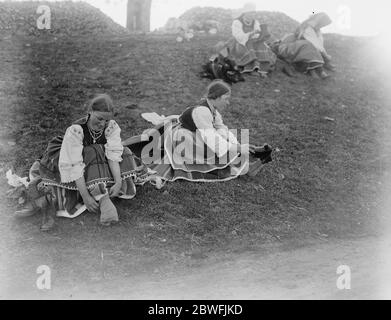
(302, 273)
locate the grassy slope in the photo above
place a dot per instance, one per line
(324, 182)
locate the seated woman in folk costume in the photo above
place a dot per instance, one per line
(247, 47)
(304, 49)
(197, 145)
(90, 163)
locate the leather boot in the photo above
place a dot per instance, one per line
(32, 207)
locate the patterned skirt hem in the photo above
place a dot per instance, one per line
(94, 183)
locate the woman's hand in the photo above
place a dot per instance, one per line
(251, 148)
(255, 34)
(90, 203)
(326, 56)
(116, 172)
(88, 200)
(242, 149)
(114, 190)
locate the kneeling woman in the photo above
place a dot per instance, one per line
(197, 146)
(304, 49)
(89, 162)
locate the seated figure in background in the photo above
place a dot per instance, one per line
(248, 48)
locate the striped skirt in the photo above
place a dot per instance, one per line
(166, 155)
(97, 176)
(301, 53)
(255, 55)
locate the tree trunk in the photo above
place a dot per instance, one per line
(138, 15)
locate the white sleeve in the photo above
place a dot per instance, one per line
(238, 33)
(203, 119)
(70, 164)
(223, 130)
(113, 147)
(257, 27)
(316, 39)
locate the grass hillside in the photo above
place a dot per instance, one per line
(327, 179)
(204, 18)
(68, 18)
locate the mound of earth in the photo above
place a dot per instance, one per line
(67, 18)
(205, 18)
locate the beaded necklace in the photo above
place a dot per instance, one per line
(95, 135)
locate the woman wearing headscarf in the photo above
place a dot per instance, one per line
(305, 48)
(247, 47)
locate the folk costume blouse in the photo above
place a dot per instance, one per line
(241, 32)
(315, 37)
(77, 136)
(209, 124)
